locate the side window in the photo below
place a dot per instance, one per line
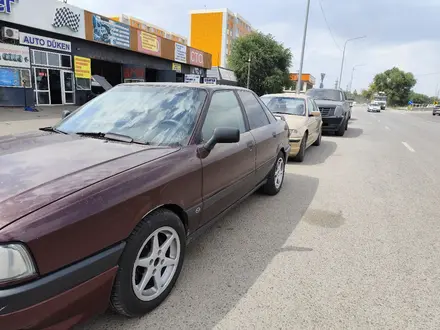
(269, 114)
(224, 111)
(310, 106)
(343, 97)
(255, 112)
(315, 106)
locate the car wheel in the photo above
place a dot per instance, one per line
(341, 130)
(346, 125)
(150, 264)
(275, 178)
(302, 149)
(318, 140)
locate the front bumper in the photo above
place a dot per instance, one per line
(375, 109)
(436, 111)
(63, 298)
(332, 124)
(295, 145)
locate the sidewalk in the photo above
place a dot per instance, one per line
(16, 120)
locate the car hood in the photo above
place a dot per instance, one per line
(295, 122)
(328, 104)
(39, 168)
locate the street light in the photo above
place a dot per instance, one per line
(249, 72)
(343, 57)
(298, 84)
(352, 74)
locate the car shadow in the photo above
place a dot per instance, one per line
(318, 155)
(353, 132)
(223, 265)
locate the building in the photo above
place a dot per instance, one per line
(307, 80)
(50, 58)
(213, 31)
(148, 27)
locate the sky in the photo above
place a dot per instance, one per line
(401, 33)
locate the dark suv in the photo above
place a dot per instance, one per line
(335, 109)
(98, 209)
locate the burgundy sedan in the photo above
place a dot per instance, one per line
(97, 210)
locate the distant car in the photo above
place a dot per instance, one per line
(374, 107)
(335, 109)
(302, 116)
(436, 110)
(98, 209)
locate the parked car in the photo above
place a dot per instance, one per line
(436, 110)
(99, 208)
(303, 117)
(335, 109)
(374, 107)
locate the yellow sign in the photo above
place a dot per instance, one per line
(149, 42)
(83, 68)
(177, 67)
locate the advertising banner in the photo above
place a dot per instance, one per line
(210, 81)
(149, 43)
(45, 42)
(177, 67)
(83, 67)
(196, 57)
(110, 32)
(180, 53)
(9, 77)
(14, 56)
(192, 78)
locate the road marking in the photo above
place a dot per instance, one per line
(386, 127)
(408, 147)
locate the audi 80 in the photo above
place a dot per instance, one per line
(97, 210)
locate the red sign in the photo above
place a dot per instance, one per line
(195, 57)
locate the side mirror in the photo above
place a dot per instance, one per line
(66, 113)
(222, 135)
(315, 114)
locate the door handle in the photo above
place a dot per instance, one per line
(250, 145)
(274, 134)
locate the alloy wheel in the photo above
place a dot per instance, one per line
(279, 173)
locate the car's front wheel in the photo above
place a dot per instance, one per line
(150, 264)
(275, 178)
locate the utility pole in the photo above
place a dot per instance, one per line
(352, 75)
(249, 72)
(336, 84)
(343, 57)
(298, 84)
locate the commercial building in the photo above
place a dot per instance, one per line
(307, 80)
(49, 51)
(213, 31)
(148, 27)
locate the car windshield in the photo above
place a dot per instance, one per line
(285, 105)
(158, 115)
(325, 94)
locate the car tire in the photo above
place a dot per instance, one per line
(275, 178)
(140, 258)
(341, 130)
(318, 140)
(346, 125)
(302, 149)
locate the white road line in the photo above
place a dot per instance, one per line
(386, 127)
(408, 147)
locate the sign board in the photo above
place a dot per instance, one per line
(180, 53)
(177, 67)
(83, 67)
(210, 81)
(45, 42)
(110, 32)
(196, 57)
(149, 43)
(47, 15)
(192, 78)
(14, 56)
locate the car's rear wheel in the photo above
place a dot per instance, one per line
(150, 264)
(318, 140)
(302, 149)
(275, 178)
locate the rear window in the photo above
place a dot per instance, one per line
(285, 105)
(325, 94)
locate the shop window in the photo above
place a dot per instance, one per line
(53, 59)
(39, 57)
(66, 61)
(83, 84)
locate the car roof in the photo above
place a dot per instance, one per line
(289, 95)
(187, 85)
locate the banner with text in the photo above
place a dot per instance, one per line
(83, 67)
(149, 43)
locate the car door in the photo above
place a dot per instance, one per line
(229, 169)
(312, 123)
(264, 132)
(318, 119)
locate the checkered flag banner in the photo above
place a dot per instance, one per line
(66, 17)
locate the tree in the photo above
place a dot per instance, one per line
(418, 98)
(270, 63)
(396, 84)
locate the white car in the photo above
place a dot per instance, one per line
(374, 107)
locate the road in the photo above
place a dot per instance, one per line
(351, 242)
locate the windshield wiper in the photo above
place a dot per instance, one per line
(112, 137)
(51, 129)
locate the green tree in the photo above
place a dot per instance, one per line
(420, 98)
(396, 84)
(270, 63)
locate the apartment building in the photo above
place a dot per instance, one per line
(213, 31)
(148, 27)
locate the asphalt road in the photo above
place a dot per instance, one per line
(351, 242)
